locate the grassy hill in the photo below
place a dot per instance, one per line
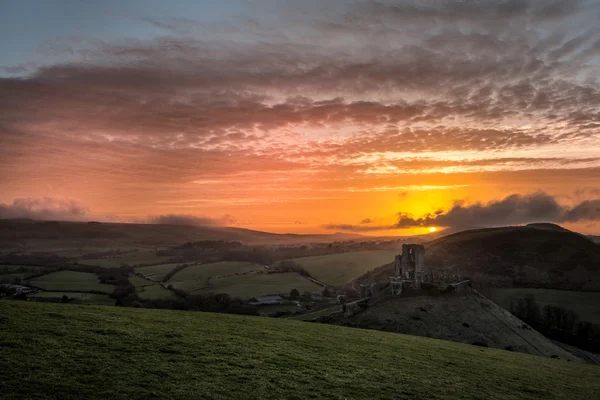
(521, 256)
(540, 255)
(67, 351)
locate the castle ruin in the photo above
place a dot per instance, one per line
(410, 271)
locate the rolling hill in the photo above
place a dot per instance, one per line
(68, 351)
(48, 235)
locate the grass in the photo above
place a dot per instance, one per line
(315, 314)
(12, 278)
(8, 273)
(63, 351)
(135, 258)
(156, 272)
(71, 281)
(585, 304)
(247, 286)
(195, 277)
(148, 290)
(339, 269)
(84, 298)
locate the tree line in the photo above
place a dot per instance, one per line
(557, 323)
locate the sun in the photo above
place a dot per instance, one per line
(432, 229)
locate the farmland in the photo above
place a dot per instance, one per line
(341, 268)
(134, 258)
(71, 281)
(80, 353)
(585, 304)
(196, 277)
(156, 272)
(246, 286)
(149, 290)
(83, 298)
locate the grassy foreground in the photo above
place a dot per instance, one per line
(58, 351)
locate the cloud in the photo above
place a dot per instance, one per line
(182, 219)
(512, 210)
(45, 208)
(515, 209)
(364, 89)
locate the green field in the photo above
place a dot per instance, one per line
(63, 351)
(135, 258)
(585, 304)
(85, 298)
(71, 280)
(8, 273)
(339, 269)
(195, 277)
(246, 286)
(315, 314)
(148, 290)
(156, 272)
(13, 278)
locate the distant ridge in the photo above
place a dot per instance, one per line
(14, 231)
(548, 225)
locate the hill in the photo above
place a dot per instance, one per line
(68, 351)
(46, 235)
(521, 257)
(515, 256)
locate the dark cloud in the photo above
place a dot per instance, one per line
(366, 221)
(515, 209)
(588, 210)
(45, 208)
(512, 210)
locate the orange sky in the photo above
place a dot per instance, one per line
(299, 124)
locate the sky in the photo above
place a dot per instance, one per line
(373, 117)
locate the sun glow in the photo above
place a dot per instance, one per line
(432, 229)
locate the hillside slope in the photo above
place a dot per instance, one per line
(67, 351)
(464, 318)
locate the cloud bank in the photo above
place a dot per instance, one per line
(44, 209)
(515, 209)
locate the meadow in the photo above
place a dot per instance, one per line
(339, 269)
(83, 298)
(65, 351)
(247, 286)
(156, 272)
(71, 281)
(142, 257)
(585, 304)
(196, 277)
(149, 290)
